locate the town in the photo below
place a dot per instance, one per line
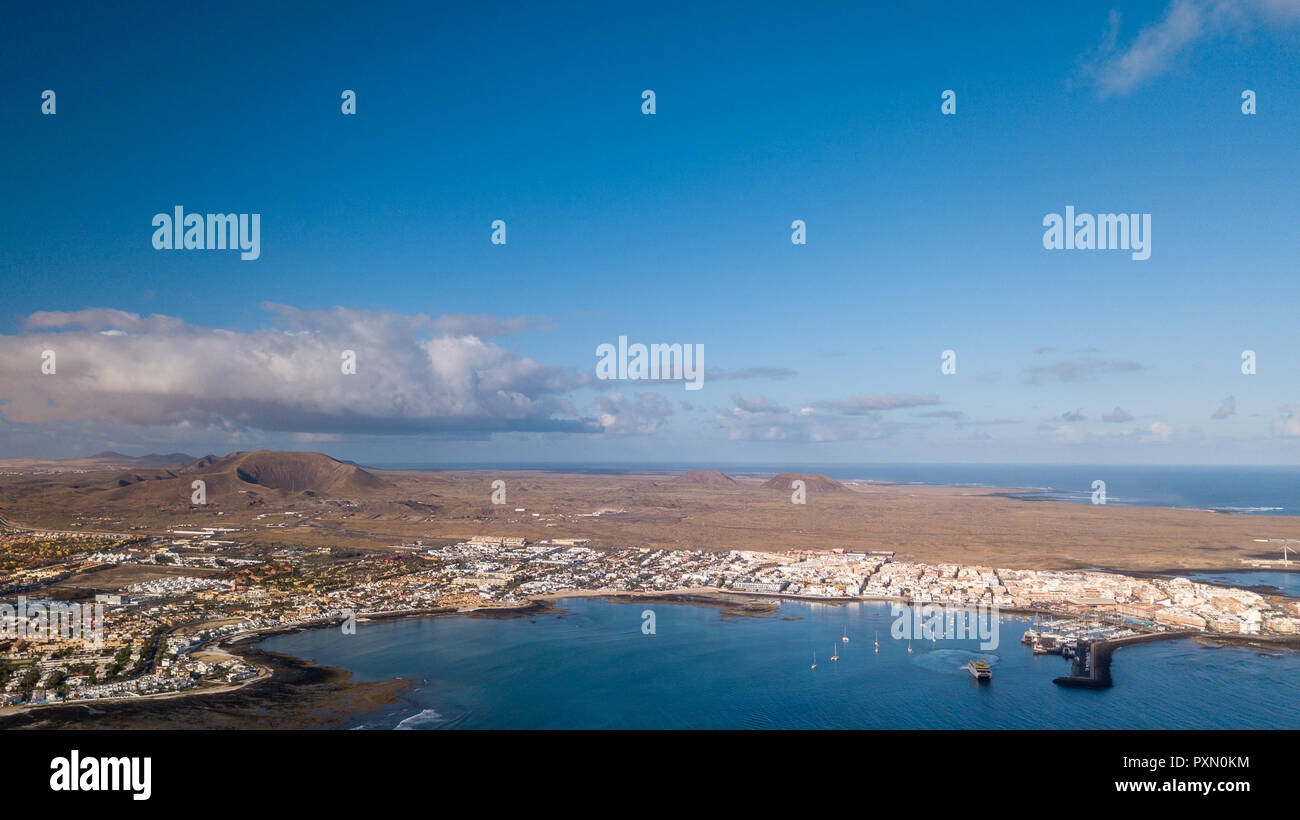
(179, 600)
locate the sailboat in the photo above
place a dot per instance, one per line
(877, 643)
(814, 666)
(846, 634)
(835, 654)
(909, 646)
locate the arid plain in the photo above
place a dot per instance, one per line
(309, 499)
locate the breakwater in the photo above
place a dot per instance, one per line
(1099, 656)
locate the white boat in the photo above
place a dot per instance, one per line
(877, 643)
(835, 654)
(909, 646)
(979, 670)
(814, 666)
(846, 634)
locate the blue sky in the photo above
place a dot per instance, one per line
(924, 230)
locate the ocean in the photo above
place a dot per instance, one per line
(1253, 490)
(590, 666)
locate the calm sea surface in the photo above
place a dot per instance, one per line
(1284, 583)
(591, 667)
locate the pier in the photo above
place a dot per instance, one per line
(1099, 655)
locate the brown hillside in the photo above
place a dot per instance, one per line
(295, 472)
(237, 481)
(781, 481)
(201, 464)
(705, 478)
(973, 526)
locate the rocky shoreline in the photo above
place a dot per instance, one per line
(297, 694)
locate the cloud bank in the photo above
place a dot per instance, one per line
(414, 374)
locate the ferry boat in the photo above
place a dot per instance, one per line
(979, 670)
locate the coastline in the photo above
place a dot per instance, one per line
(244, 645)
(293, 693)
(295, 679)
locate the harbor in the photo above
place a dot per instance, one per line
(1072, 638)
(705, 670)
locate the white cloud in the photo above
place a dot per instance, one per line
(757, 403)
(1154, 433)
(1158, 433)
(1119, 70)
(1068, 434)
(639, 415)
(1289, 425)
(414, 374)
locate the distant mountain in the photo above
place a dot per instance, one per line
(292, 472)
(163, 460)
(200, 464)
(705, 478)
(239, 481)
(817, 481)
(109, 458)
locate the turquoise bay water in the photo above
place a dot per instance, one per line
(591, 667)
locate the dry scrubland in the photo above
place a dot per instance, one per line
(343, 505)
